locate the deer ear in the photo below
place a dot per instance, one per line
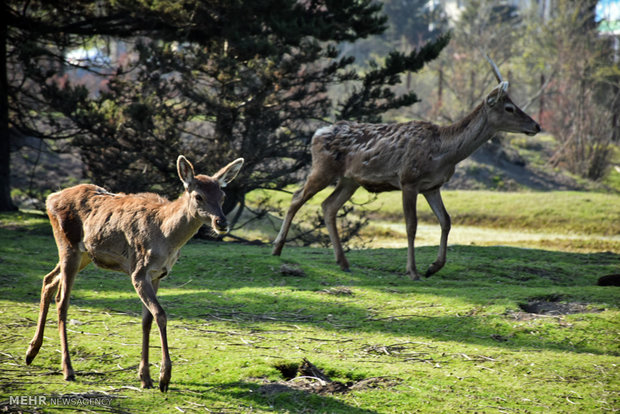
(186, 171)
(497, 93)
(228, 173)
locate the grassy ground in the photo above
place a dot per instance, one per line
(559, 220)
(462, 340)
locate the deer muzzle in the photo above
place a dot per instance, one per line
(535, 130)
(220, 224)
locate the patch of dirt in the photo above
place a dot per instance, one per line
(551, 305)
(289, 270)
(308, 378)
(556, 308)
(312, 385)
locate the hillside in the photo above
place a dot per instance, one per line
(520, 163)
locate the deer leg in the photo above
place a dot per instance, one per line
(410, 197)
(344, 190)
(146, 292)
(71, 264)
(436, 203)
(50, 285)
(316, 182)
(147, 320)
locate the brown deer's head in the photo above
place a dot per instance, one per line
(205, 193)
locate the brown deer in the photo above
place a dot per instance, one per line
(414, 157)
(139, 234)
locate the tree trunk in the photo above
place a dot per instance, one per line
(6, 204)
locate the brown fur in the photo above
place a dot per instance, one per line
(138, 234)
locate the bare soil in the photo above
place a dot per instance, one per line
(310, 379)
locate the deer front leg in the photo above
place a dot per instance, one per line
(147, 321)
(296, 204)
(70, 266)
(410, 197)
(143, 371)
(147, 294)
(50, 286)
(434, 200)
(315, 183)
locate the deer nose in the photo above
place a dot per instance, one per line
(537, 127)
(221, 223)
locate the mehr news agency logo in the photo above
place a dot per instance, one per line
(66, 400)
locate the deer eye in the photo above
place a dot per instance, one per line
(200, 198)
(509, 108)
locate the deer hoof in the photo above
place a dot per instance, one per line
(414, 276)
(277, 250)
(147, 384)
(29, 358)
(344, 265)
(434, 268)
(164, 376)
(32, 352)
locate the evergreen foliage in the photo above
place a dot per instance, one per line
(213, 80)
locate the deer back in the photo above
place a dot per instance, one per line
(377, 156)
(116, 230)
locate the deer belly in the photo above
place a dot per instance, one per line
(374, 180)
(109, 255)
(436, 179)
(107, 261)
(378, 187)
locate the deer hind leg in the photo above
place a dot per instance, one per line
(146, 292)
(50, 286)
(434, 200)
(147, 321)
(70, 265)
(316, 181)
(410, 197)
(344, 190)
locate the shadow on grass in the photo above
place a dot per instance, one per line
(349, 320)
(26, 222)
(269, 397)
(243, 284)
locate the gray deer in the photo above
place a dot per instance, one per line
(415, 157)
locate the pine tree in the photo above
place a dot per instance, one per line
(221, 79)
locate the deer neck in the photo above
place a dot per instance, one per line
(179, 221)
(461, 139)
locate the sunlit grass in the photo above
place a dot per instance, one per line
(561, 220)
(459, 341)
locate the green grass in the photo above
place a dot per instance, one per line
(567, 211)
(560, 220)
(456, 342)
